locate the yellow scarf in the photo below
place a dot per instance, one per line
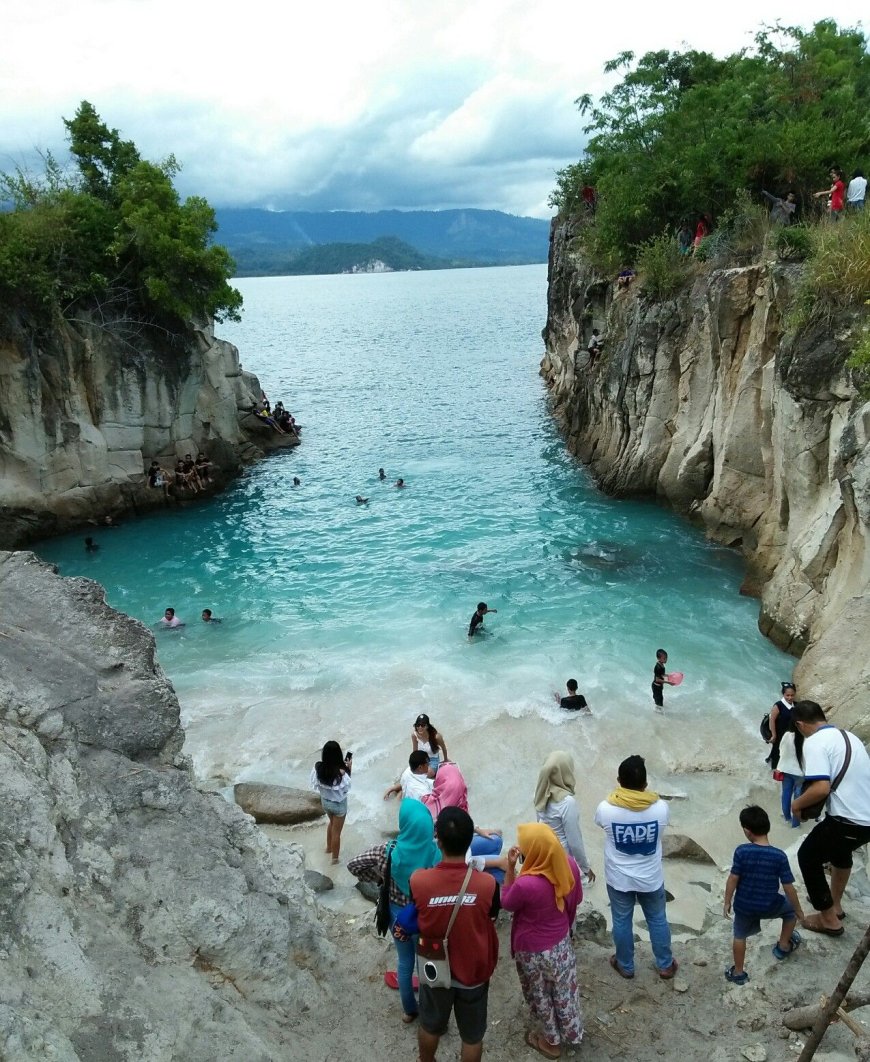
(633, 799)
(543, 854)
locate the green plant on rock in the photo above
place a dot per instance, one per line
(663, 270)
(792, 243)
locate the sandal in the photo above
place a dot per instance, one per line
(542, 1046)
(736, 978)
(793, 945)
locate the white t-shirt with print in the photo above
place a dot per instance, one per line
(633, 846)
(824, 755)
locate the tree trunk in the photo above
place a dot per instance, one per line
(831, 1007)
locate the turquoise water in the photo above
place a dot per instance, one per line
(345, 621)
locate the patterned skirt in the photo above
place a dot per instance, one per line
(549, 983)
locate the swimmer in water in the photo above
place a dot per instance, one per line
(477, 618)
(169, 619)
(90, 545)
(574, 702)
(400, 482)
(360, 500)
(297, 482)
(382, 474)
(207, 616)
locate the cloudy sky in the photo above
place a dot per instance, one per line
(360, 106)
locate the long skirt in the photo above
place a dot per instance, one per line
(549, 983)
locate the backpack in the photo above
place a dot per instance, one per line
(764, 728)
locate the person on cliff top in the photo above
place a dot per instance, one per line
(660, 677)
(594, 347)
(207, 616)
(574, 702)
(684, 237)
(476, 623)
(781, 210)
(757, 871)
(169, 619)
(836, 194)
(856, 193)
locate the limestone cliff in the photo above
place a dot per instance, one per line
(84, 410)
(705, 402)
(139, 917)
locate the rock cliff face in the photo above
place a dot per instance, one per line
(83, 412)
(702, 401)
(139, 917)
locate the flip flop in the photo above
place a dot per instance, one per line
(534, 1041)
(391, 980)
(824, 930)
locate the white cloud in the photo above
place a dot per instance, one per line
(389, 103)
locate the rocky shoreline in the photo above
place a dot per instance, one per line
(705, 402)
(84, 410)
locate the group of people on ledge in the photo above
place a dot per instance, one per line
(447, 878)
(188, 477)
(279, 418)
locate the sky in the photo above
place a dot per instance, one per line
(407, 104)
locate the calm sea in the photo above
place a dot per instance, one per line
(344, 621)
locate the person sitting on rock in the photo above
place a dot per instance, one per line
(191, 470)
(159, 478)
(185, 479)
(203, 468)
(261, 411)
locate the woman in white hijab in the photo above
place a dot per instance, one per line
(556, 806)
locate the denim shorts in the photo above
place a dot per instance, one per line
(747, 925)
(334, 807)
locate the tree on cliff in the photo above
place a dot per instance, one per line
(684, 132)
(112, 236)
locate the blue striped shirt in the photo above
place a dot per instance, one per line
(761, 869)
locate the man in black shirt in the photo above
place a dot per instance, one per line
(477, 618)
(574, 702)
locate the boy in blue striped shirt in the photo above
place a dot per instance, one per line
(757, 871)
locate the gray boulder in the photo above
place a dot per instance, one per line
(678, 846)
(277, 804)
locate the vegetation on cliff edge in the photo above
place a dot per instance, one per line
(110, 237)
(684, 133)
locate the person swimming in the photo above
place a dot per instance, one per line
(477, 619)
(382, 474)
(360, 500)
(207, 616)
(90, 545)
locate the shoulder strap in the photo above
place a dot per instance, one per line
(846, 762)
(459, 899)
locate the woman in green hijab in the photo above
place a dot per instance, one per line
(414, 849)
(556, 805)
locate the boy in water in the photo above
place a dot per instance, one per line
(574, 702)
(757, 870)
(477, 618)
(659, 679)
(207, 616)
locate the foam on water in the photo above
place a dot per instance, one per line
(344, 621)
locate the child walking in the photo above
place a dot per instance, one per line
(757, 871)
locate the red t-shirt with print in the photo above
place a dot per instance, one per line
(473, 944)
(837, 195)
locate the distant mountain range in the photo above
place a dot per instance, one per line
(269, 242)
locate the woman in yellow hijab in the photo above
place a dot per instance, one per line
(543, 897)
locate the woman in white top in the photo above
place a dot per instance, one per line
(791, 767)
(556, 805)
(330, 777)
(425, 738)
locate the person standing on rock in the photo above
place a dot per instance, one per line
(780, 720)
(633, 820)
(330, 777)
(837, 769)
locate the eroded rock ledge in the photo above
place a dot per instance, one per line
(84, 409)
(139, 917)
(702, 402)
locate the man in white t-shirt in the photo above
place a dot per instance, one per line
(857, 191)
(846, 825)
(415, 782)
(633, 820)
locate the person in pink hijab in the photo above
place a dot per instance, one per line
(450, 791)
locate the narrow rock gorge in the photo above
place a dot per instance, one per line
(707, 402)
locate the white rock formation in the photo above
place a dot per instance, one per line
(700, 400)
(140, 919)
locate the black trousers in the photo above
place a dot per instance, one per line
(658, 694)
(833, 840)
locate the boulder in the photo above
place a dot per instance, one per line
(678, 846)
(369, 890)
(277, 804)
(318, 882)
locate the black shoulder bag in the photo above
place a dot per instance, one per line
(382, 910)
(813, 811)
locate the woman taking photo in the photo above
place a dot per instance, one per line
(330, 777)
(414, 849)
(543, 897)
(425, 738)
